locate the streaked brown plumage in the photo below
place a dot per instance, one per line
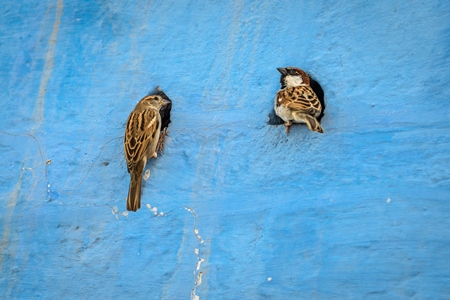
(296, 101)
(141, 139)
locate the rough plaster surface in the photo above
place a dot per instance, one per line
(242, 210)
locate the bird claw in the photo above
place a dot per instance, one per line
(160, 145)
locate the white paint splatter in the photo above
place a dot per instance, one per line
(199, 278)
(200, 260)
(199, 263)
(115, 211)
(147, 175)
(154, 210)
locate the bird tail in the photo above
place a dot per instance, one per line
(313, 124)
(134, 192)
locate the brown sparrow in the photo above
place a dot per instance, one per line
(296, 101)
(141, 138)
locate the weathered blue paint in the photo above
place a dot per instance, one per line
(360, 212)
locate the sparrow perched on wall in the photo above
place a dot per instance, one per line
(141, 139)
(296, 101)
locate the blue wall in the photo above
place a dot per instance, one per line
(360, 212)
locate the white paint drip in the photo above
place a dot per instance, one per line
(200, 260)
(199, 263)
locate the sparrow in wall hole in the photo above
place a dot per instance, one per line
(142, 136)
(296, 101)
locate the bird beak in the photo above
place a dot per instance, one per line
(282, 71)
(165, 102)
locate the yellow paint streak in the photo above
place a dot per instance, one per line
(7, 218)
(38, 113)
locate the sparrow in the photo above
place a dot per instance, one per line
(296, 101)
(141, 139)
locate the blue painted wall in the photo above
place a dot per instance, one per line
(238, 210)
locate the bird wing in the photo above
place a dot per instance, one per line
(141, 129)
(301, 99)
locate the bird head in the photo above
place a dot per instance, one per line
(291, 77)
(154, 100)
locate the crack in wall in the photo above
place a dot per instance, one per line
(35, 165)
(92, 165)
(33, 159)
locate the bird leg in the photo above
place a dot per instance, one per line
(288, 126)
(160, 146)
